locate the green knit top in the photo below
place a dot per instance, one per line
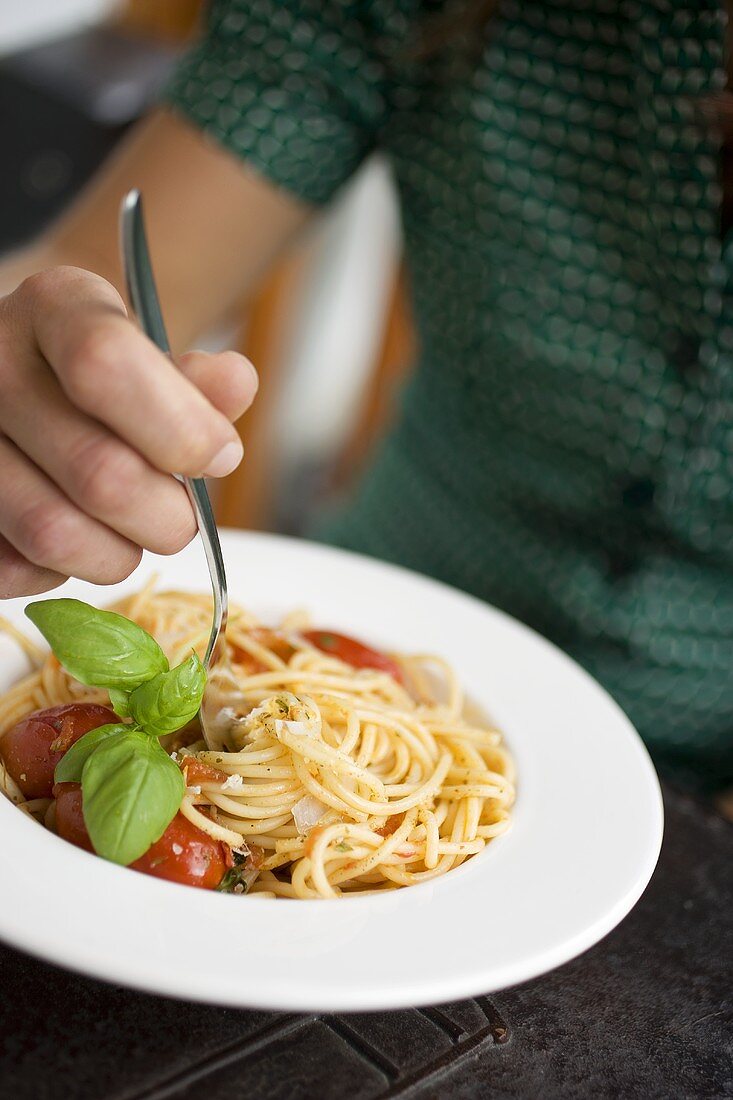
(565, 449)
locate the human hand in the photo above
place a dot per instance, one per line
(93, 421)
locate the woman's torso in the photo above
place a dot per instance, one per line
(565, 450)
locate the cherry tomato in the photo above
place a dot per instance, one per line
(352, 652)
(268, 638)
(197, 772)
(244, 661)
(280, 646)
(185, 854)
(32, 748)
(391, 825)
(69, 815)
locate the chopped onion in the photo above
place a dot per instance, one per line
(300, 729)
(303, 729)
(232, 783)
(286, 713)
(307, 813)
(247, 878)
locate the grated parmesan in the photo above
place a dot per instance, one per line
(232, 783)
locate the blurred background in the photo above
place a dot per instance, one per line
(329, 331)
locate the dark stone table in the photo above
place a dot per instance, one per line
(648, 1013)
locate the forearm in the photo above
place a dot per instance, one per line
(18, 265)
(214, 226)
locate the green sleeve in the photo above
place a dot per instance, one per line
(297, 88)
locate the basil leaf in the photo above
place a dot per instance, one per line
(69, 768)
(171, 699)
(119, 702)
(132, 791)
(99, 648)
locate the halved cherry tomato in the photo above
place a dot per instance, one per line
(183, 853)
(352, 652)
(32, 748)
(196, 772)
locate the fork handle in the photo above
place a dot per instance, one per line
(201, 504)
(146, 304)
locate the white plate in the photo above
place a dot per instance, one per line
(584, 842)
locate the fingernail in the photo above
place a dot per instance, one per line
(252, 370)
(250, 367)
(226, 460)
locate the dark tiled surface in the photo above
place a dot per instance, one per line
(299, 1066)
(400, 1041)
(648, 1012)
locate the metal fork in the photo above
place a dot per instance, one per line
(216, 706)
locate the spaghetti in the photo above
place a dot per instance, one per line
(343, 780)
